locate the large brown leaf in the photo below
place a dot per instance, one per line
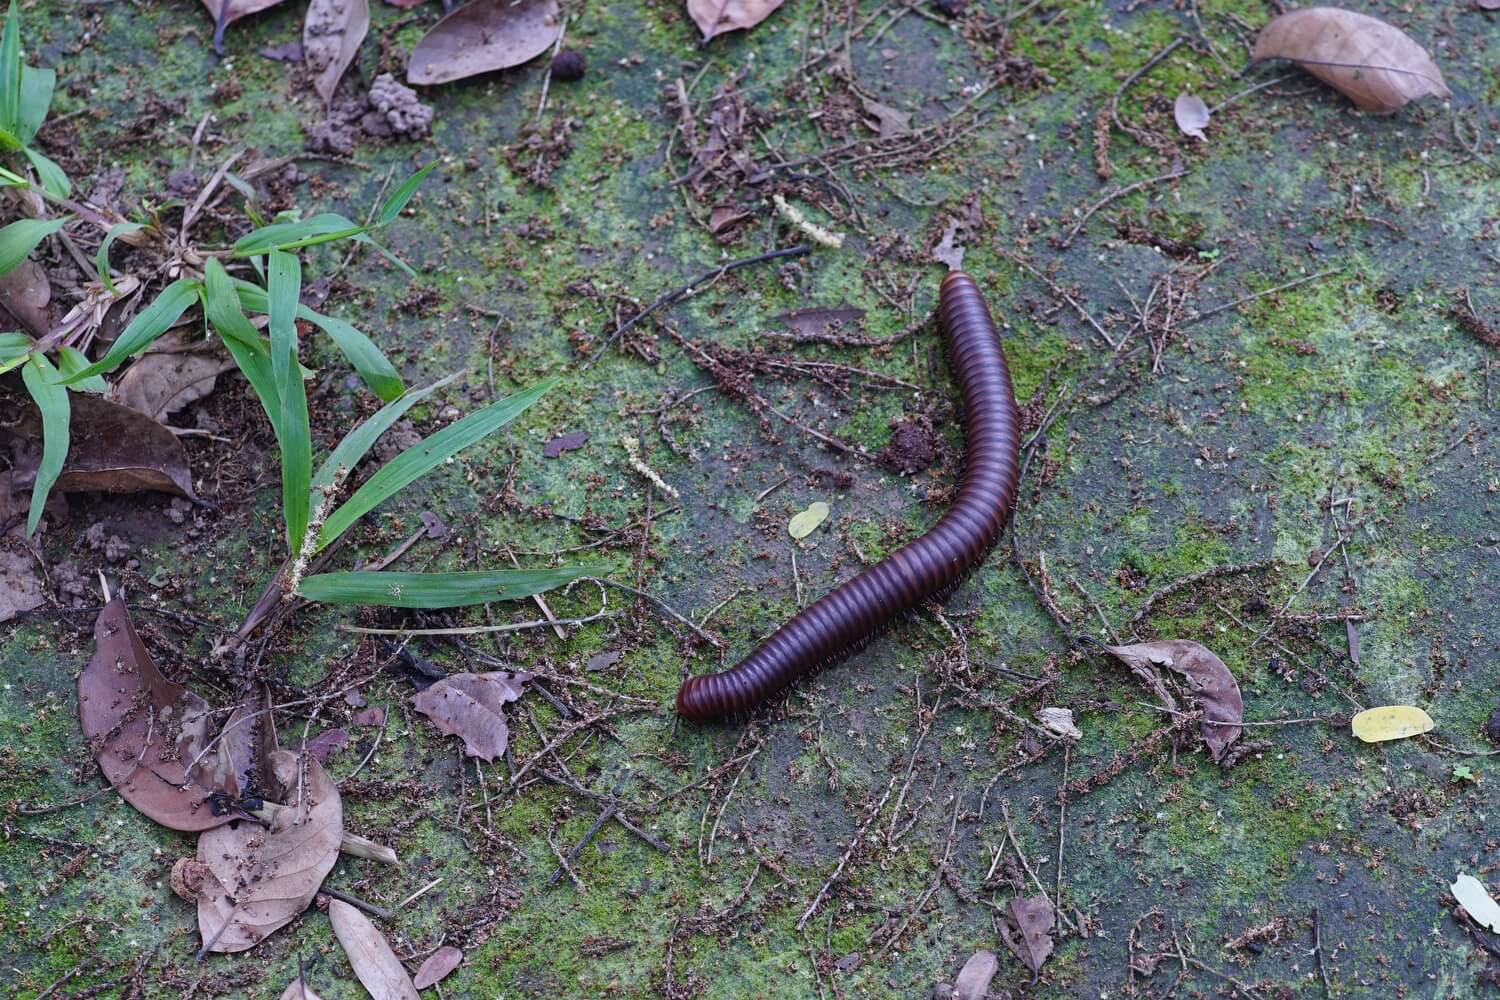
(715, 17)
(226, 12)
(1214, 687)
(973, 982)
(1027, 931)
(469, 706)
(147, 733)
(177, 369)
(376, 965)
(263, 878)
(299, 990)
(111, 449)
(1374, 64)
(483, 36)
(25, 293)
(330, 40)
(438, 965)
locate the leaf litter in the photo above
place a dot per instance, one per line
(482, 37)
(470, 706)
(1026, 928)
(375, 964)
(331, 36)
(438, 966)
(1213, 687)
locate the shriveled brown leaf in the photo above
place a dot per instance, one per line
(147, 733)
(483, 36)
(179, 368)
(1191, 115)
(946, 252)
(246, 744)
(327, 743)
(1376, 65)
(24, 293)
(331, 36)
(20, 586)
(973, 981)
(889, 122)
(111, 449)
(263, 878)
(715, 17)
(1027, 930)
(298, 990)
(470, 706)
(226, 12)
(1214, 687)
(375, 964)
(438, 965)
(571, 441)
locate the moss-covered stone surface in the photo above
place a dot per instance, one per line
(1288, 386)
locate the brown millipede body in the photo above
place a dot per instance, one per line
(841, 623)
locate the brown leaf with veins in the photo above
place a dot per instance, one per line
(177, 369)
(1027, 930)
(1213, 686)
(438, 965)
(469, 706)
(715, 17)
(226, 12)
(263, 878)
(376, 965)
(298, 990)
(147, 733)
(112, 449)
(331, 36)
(1375, 64)
(483, 36)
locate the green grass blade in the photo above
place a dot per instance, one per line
(150, 323)
(54, 181)
(378, 373)
(397, 201)
(52, 399)
(10, 70)
(322, 228)
(221, 304)
(438, 590)
(71, 361)
(21, 237)
(14, 345)
(34, 101)
(101, 259)
(284, 286)
(420, 459)
(342, 460)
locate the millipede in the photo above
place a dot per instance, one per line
(839, 624)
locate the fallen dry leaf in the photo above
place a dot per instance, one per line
(889, 122)
(1214, 687)
(1027, 930)
(1390, 722)
(226, 12)
(331, 36)
(1059, 721)
(326, 743)
(1374, 64)
(263, 878)
(565, 442)
(246, 744)
(111, 449)
(469, 706)
(973, 980)
(438, 965)
(24, 293)
(1191, 114)
(947, 252)
(375, 964)
(1476, 901)
(147, 733)
(483, 36)
(20, 586)
(819, 321)
(298, 990)
(715, 17)
(177, 369)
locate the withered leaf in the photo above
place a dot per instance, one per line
(112, 449)
(1027, 930)
(946, 252)
(298, 990)
(1376, 65)
(178, 368)
(1191, 114)
(470, 706)
(226, 12)
(20, 586)
(373, 716)
(263, 878)
(889, 122)
(483, 36)
(438, 965)
(565, 442)
(1214, 687)
(973, 980)
(715, 17)
(375, 964)
(331, 36)
(246, 744)
(819, 320)
(24, 293)
(147, 733)
(327, 743)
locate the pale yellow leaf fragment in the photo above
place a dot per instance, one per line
(1390, 722)
(805, 523)
(1476, 901)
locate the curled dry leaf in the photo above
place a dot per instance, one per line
(483, 36)
(715, 17)
(245, 746)
(1374, 64)
(298, 990)
(187, 878)
(438, 965)
(226, 12)
(147, 733)
(1060, 722)
(1214, 687)
(973, 981)
(469, 706)
(1476, 901)
(1390, 722)
(374, 963)
(1027, 930)
(331, 36)
(111, 449)
(1191, 114)
(262, 877)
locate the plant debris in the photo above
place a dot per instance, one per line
(470, 706)
(331, 36)
(806, 522)
(1026, 928)
(571, 441)
(437, 966)
(973, 982)
(1213, 686)
(1191, 115)
(484, 36)
(715, 17)
(375, 964)
(1390, 722)
(1476, 901)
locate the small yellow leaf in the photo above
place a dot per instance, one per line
(1390, 722)
(805, 523)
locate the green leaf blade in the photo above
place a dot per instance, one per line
(51, 399)
(33, 101)
(361, 353)
(284, 286)
(322, 228)
(10, 70)
(19, 238)
(437, 590)
(101, 259)
(357, 443)
(70, 362)
(403, 194)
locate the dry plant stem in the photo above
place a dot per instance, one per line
(1021, 855)
(1195, 317)
(937, 881)
(844, 858)
(1060, 292)
(370, 908)
(663, 607)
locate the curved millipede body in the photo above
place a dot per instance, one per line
(843, 621)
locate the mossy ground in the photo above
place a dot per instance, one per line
(1357, 384)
